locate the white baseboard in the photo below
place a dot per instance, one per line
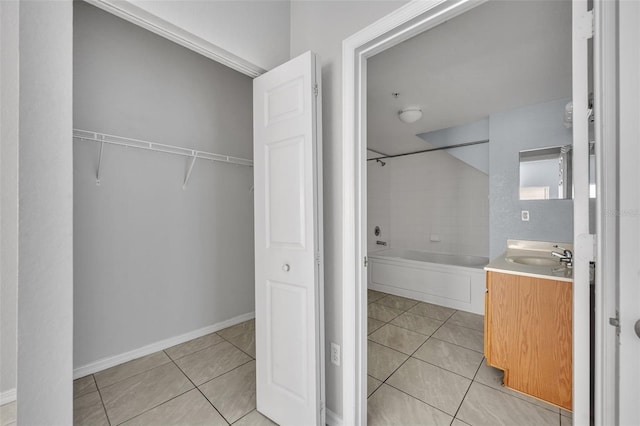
(7, 396)
(332, 419)
(112, 361)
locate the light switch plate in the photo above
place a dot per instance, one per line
(524, 214)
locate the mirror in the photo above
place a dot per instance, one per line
(545, 174)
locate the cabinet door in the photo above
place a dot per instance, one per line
(529, 323)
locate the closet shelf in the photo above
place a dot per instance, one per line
(153, 146)
(102, 138)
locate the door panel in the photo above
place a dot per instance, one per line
(288, 243)
(286, 321)
(284, 102)
(284, 163)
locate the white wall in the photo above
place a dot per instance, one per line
(9, 17)
(45, 281)
(256, 31)
(321, 26)
(436, 195)
(154, 261)
(420, 196)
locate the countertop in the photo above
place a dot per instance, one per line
(534, 249)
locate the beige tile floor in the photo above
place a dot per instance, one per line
(206, 381)
(8, 414)
(425, 362)
(426, 367)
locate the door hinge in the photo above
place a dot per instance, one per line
(315, 89)
(366, 262)
(615, 322)
(585, 27)
(317, 258)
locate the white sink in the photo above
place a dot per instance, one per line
(533, 260)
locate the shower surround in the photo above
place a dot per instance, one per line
(431, 202)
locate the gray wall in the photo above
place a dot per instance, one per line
(534, 126)
(154, 261)
(309, 31)
(9, 201)
(255, 30)
(45, 236)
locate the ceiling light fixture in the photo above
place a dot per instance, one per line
(410, 114)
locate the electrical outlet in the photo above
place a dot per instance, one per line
(335, 354)
(524, 214)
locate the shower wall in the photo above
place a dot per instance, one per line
(431, 201)
(378, 201)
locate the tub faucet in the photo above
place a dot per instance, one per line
(381, 243)
(566, 256)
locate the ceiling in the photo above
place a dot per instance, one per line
(498, 56)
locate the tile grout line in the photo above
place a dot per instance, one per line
(202, 393)
(155, 406)
(429, 336)
(255, 409)
(411, 356)
(469, 388)
(414, 352)
(196, 351)
(427, 362)
(393, 372)
(149, 369)
(133, 375)
(442, 368)
(457, 345)
(404, 328)
(384, 382)
(226, 372)
(446, 321)
(404, 362)
(104, 407)
(514, 395)
(170, 360)
(238, 347)
(463, 326)
(172, 398)
(417, 399)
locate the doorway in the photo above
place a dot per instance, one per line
(400, 26)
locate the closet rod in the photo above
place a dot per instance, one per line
(86, 135)
(460, 145)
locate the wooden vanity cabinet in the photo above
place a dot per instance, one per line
(528, 334)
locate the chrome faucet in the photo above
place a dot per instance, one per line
(566, 256)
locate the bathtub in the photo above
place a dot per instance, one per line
(455, 281)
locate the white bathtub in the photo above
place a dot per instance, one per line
(455, 281)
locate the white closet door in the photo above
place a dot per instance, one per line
(288, 243)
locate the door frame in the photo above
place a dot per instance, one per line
(402, 24)
(605, 78)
